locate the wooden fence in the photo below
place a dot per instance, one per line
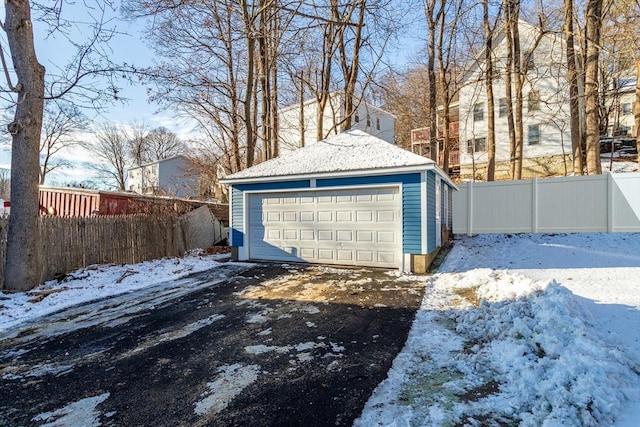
(596, 203)
(69, 243)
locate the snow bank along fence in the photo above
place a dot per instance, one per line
(596, 203)
(69, 243)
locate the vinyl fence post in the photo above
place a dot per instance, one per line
(610, 203)
(469, 208)
(534, 204)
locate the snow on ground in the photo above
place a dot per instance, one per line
(513, 329)
(522, 329)
(96, 282)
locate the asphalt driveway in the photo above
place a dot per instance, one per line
(239, 345)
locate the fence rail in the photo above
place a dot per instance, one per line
(597, 203)
(69, 243)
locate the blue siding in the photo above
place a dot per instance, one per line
(411, 205)
(237, 224)
(431, 211)
(237, 208)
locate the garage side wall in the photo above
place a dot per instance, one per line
(431, 212)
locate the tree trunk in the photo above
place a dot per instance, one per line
(431, 53)
(491, 121)
(592, 125)
(508, 83)
(519, 82)
(248, 96)
(572, 77)
(636, 111)
(23, 268)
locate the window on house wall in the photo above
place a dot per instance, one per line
(502, 107)
(378, 123)
(478, 112)
(627, 109)
(534, 100)
(368, 121)
(357, 117)
(534, 135)
(476, 145)
(530, 61)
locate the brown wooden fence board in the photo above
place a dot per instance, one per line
(69, 243)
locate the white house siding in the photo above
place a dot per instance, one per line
(547, 77)
(289, 123)
(168, 176)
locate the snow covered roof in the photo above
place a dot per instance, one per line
(349, 151)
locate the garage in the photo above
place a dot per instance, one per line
(352, 200)
(347, 226)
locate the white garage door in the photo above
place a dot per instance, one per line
(348, 227)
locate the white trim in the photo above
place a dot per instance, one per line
(312, 183)
(406, 263)
(343, 174)
(231, 225)
(423, 211)
(243, 251)
(332, 188)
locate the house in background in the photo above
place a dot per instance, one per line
(168, 177)
(352, 199)
(622, 99)
(298, 124)
(546, 132)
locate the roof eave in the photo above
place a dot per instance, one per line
(341, 174)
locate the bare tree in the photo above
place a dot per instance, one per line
(26, 80)
(572, 78)
(110, 148)
(434, 15)
(62, 122)
(489, 76)
(592, 122)
(636, 110)
(162, 143)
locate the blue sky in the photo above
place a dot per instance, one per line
(54, 50)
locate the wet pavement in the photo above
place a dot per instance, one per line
(242, 344)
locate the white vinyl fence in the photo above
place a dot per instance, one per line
(596, 203)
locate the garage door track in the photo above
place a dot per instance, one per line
(238, 345)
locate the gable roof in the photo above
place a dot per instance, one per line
(350, 153)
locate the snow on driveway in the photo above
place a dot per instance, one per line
(522, 329)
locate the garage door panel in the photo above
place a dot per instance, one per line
(307, 235)
(351, 227)
(325, 216)
(344, 236)
(364, 256)
(344, 216)
(307, 216)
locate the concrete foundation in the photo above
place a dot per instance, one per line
(536, 167)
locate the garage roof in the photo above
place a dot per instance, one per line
(349, 151)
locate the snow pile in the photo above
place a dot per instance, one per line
(96, 282)
(551, 365)
(517, 347)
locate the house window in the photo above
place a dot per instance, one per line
(357, 117)
(368, 121)
(534, 135)
(378, 123)
(529, 58)
(534, 100)
(478, 112)
(502, 107)
(476, 145)
(627, 109)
